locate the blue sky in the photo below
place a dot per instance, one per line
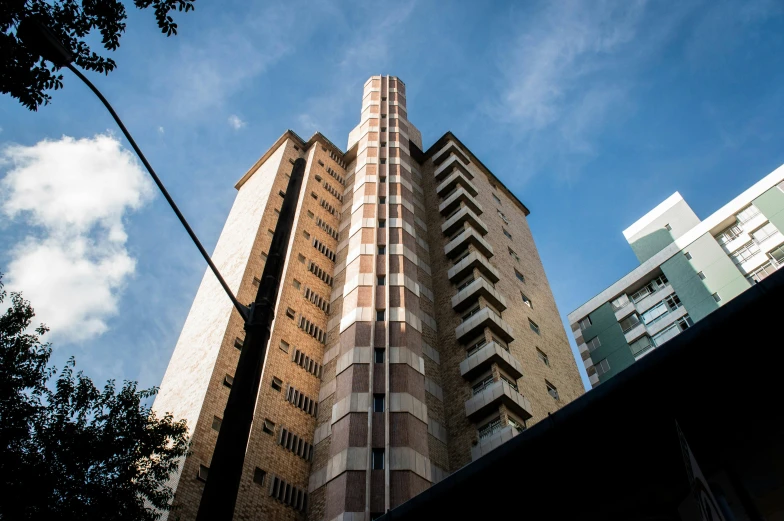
(590, 112)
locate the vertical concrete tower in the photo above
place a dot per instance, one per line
(415, 329)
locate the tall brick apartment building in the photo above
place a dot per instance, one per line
(415, 328)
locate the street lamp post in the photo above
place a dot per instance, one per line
(223, 481)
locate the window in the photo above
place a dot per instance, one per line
(318, 177)
(602, 367)
(585, 323)
(551, 390)
(284, 346)
(313, 195)
(763, 233)
(526, 300)
(382, 200)
(383, 98)
(496, 199)
(378, 459)
(747, 213)
(282, 193)
(277, 383)
(465, 283)
(668, 227)
(268, 426)
(490, 428)
(382, 250)
(202, 474)
(593, 344)
(508, 235)
(641, 345)
(310, 214)
(383, 129)
(519, 276)
(382, 179)
(378, 355)
(650, 288)
(513, 254)
(383, 161)
(728, 234)
(258, 476)
(476, 346)
(238, 343)
(620, 302)
(256, 281)
(480, 386)
(382, 280)
(216, 423)
(687, 255)
(228, 381)
(701, 275)
(383, 116)
(290, 313)
(519, 426)
(378, 403)
(264, 256)
(382, 223)
(380, 314)
(630, 322)
(761, 273)
(543, 357)
(533, 326)
(745, 252)
(777, 254)
(301, 258)
(716, 297)
(471, 313)
(383, 143)
(306, 234)
(502, 216)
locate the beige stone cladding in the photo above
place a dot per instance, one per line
(479, 236)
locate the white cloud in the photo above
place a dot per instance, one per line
(161, 130)
(235, 122)
(74, 194)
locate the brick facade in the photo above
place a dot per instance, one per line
(364, 402)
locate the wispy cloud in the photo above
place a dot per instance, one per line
(365, 53)
(235, 122)
(73, 195)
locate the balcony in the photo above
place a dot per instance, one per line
(493, 440)
(467, 264)
(469, 295)
(664, 321)
(484, 357)
(624, 311)
(456, 178)
(494, 395)
(484, 318)
(460, 243)
(449, 149)
(452, 163)
(454, 199)
(463, 215)
(635, 333)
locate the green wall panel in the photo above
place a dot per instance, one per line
(614, 346)
(771, 204)
(649, 245)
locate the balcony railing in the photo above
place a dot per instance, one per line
(484, 318)
(481, 358)
(464, 215)
(453, 199)
(454, 179)
(470, 292)
(460, 243)
(492, 396)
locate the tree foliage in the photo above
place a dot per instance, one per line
(70, 451)
(24, 74)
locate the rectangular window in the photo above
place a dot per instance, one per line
(258, 476)
(701, 275)
(382, 200)
(508, 235)
(716, 297)
(526, 300)
(641, 345)
(216, 423)
(256, 281)
(238, 342)
(649, 289)
(764, 232)
(668, 227)
(284, 346)
(268, 426)
(383, 129)
(687, 255)
(202, 474)
(306, 234)
(301, 258)
(502, 216)
(382, 280)
(277, 384)
(630, 322)
(383, 143)
(383, 98)
(602, 367)
(228, 381)
(593, 344)
(585, 323)
(380, 314)
(290, 313)
(543, 357)
(728, 234)
(483, 384)
(476, 346)
(761, 273)
(745, 252)
(378, 403)
(378, 355)
(777, 254)
(513, 254)
(533, 326)
(383, 161)
(382, 223)
(378, 459)
(310, 214)
(382, 250)
(551, 390)
(295, 283)
(620, 302)
(496, 199)
(471, 313)
(747, 214)
(282, 193)
(382, 179)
